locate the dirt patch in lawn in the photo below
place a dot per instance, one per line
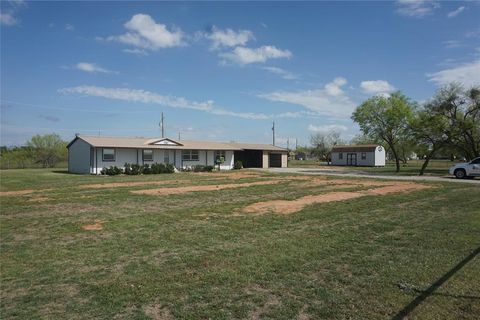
(126, 184)
(157, 312)
(16, 193)
(38, 199)
(22, 192)
(98, 225)
(214, 187)
(291, 206)
(231, 175)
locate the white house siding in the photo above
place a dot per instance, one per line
(79, 157)
(265, 159)
(284, 160)
(207, 157)
(229, 161)
(122, 156)
(86, 159)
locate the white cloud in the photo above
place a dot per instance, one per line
(473, 34)
(376, 86)
(69, 27)
(329, 101)
(468, 74)
(334, 88)
(454, 13)
(144, 33)
(243, 55)
(451, 44)
(143, 96)
(416, 8)
(284, 74)
(7, 19)
(228, 37)
(138, 52)
(92, 68)
(327, 128)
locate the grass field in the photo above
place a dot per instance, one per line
(411, 168)
(74, 250)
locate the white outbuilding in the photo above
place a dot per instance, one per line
(367, 155)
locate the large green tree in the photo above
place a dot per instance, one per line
(48, 149)
(429, 130)
(386, 119)
(460, 108)
(322, 144)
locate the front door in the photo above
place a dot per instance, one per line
(351, 159)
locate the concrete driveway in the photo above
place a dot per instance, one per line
(355, 174)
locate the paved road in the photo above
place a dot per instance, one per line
(355, 174)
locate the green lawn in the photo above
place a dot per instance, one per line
(411, 168)
(192, 256)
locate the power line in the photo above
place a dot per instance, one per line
(21, 104)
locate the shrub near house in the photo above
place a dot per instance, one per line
(136, 169)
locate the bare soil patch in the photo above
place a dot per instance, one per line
(16, 193)
(98, 225)
(126, 184)
(231, 175)
(22, 192)
(214, 187)
(291, 206)
(157, 312)
(38, 199)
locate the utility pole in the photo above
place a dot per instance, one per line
(178, 135)
(296, 144)
(162, 126)
(273, 131)
(288, 143)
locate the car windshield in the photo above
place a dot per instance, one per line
(475, 161)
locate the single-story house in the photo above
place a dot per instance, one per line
(368, 155)
(90, 154)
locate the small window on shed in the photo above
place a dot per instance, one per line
(108, 155)
(364, 155)
(340, 156)
(147, 155)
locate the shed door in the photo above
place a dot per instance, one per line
(351, 159)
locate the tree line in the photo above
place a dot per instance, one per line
(44, 151)
(447, 124)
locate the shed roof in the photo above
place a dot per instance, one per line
(166, 143)
(356, 147)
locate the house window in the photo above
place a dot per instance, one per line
(147, 155)
(108, 155)
(364, 155)
(166, 156)
(190, 155)
(219, 154)
(340, 156)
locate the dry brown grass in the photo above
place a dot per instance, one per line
(215, 187)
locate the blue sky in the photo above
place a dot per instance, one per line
(223, 70)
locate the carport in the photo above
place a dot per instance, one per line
(250, 158)
(260, 155)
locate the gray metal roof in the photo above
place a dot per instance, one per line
(355, 147)
(150, 143)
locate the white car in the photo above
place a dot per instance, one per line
(466, 170)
